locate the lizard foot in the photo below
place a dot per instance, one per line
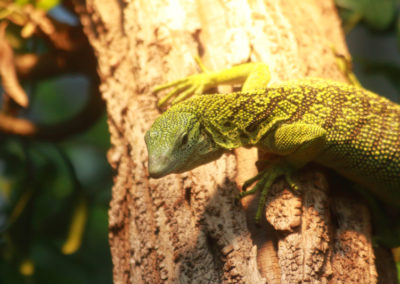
(264, 181)
(183, 88)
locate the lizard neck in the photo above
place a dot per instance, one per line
(238, 119)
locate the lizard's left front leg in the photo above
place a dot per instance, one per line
(252, 75)
(298, 143)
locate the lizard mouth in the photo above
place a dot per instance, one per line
(160, 166)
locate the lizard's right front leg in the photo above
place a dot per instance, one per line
(298, 143)
(265, 180)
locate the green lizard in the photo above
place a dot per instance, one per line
(347, 128)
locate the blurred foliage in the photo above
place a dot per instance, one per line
(376, 14)
(376, 25)
(40, 4)
(53, 196)
(40, 192)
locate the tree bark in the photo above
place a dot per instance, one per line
(189, 227)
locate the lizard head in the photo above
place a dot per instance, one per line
(176, 143)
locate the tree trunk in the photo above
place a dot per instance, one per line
(189, 227)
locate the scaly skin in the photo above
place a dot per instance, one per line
(344, 127)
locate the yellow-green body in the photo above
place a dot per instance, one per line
(362, 139)
(344, 127)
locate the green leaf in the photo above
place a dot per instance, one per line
(378, 14)
(353, 5)
(47, 4)
(22, 2)
(40, 4)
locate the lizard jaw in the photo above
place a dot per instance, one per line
(160, 166)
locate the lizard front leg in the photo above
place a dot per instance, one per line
(298, 143)
(252, 75)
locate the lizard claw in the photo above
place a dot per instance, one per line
(248, 183)
(265, 179)
(191, 85)
(289, 179)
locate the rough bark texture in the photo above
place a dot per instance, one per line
(189, 228)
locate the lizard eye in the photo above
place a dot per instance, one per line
(184, 139)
